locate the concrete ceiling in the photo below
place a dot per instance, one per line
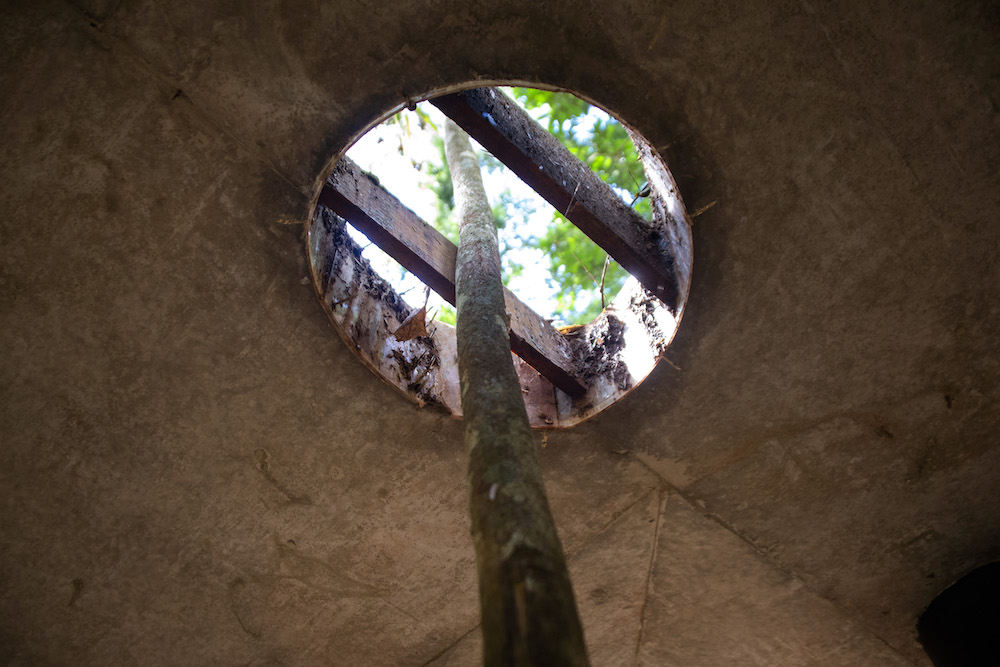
(195, 470)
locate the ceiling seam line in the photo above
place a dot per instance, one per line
(653, 550)
(791, 574)
(780, 566)
(603, 529)
(569, 557)
(450, 647)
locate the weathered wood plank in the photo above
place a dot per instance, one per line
(538, 158)
(357, 197)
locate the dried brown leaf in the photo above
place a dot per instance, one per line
(413, 327)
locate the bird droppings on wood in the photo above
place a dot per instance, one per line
(643, 304)
(369, 314)
(599, 346)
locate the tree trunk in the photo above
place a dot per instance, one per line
(529, 615)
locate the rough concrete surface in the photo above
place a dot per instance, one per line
(194, 469)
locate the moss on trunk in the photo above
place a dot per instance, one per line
(529, 615)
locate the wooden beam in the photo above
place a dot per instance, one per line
(357, 196)
(531, 152)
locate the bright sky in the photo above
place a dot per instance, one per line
(379, 153)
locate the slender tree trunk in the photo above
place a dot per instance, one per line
(529, 615)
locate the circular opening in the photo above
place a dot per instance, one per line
(568, 373)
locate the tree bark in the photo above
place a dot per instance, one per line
(529, 615)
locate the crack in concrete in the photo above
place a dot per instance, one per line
(660, 506)
(262, 458)
(448, 649)
(708, 514)
(571, 555)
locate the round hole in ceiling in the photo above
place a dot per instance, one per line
(568, 374)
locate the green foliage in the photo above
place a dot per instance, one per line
(505, 207)
(447, 314)
(576, 262)
(445, 192)
(600, 142)
(577, 266)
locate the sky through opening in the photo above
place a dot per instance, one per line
(538, 257)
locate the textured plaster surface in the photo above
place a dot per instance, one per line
(703, 571)
(194, 469)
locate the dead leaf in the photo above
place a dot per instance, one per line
(413, 327)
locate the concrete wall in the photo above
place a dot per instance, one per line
(195, 470)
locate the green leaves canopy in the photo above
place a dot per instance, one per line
(599, 141)
(577, 266)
